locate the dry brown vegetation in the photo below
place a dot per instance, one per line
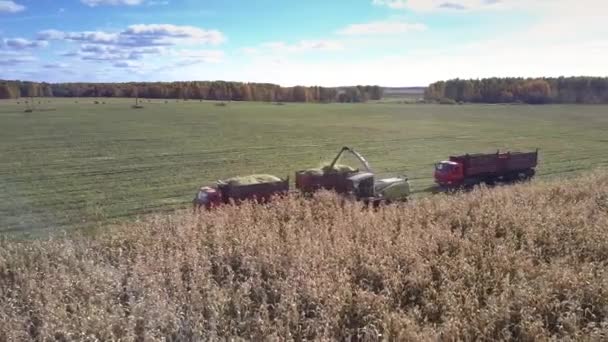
(520, 263)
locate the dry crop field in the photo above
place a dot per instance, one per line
(521, 263)
(84, 164)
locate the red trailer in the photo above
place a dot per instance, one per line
(228, 192)
(472, 169)
(308, 182)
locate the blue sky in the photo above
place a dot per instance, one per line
(313, 42)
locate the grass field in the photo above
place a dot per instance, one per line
(82, 164)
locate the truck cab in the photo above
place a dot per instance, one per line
(207, 197)
(449, 173)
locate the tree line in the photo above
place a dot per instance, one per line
(216, 90)
(591, 90)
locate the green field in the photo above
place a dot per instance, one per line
(83, 164)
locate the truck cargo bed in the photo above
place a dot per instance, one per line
(309, 182)
(260, 192)
(496, 163)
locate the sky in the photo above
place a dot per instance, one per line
(312, 42)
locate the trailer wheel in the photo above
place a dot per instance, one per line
(530, 174)
(524, 176)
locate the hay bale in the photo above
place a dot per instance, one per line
(221, 104)
(137, 107)
(252, 179)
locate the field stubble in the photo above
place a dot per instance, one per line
(85, 165)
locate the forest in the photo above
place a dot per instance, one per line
(589, 90)
(215, 90)
(584, 90)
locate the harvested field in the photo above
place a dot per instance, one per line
(85, 165)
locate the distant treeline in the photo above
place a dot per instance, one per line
(590, 90)
(217, 90)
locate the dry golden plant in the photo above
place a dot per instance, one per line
(521, 263)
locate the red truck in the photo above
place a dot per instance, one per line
(468, 170)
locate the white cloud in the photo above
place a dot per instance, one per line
(193, 57)
(168, 31)
(141, 36)
(472, 5)
(51, 35)
(94, 3)
(138, 47)
(396, 4)
(22, 44)
(10, 7)
(135, 42)
(127, 64)
(432, 5)
(301, 46)
(55, 66)
(95, 37)
(250, 51)
(382, 27)
(12, 58)
(419, 68)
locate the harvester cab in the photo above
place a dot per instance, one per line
(364, 186)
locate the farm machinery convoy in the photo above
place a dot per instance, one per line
(457, 173)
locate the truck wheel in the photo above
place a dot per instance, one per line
(490, 181)
(530, 174)
(471, 183)
(512, 177)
